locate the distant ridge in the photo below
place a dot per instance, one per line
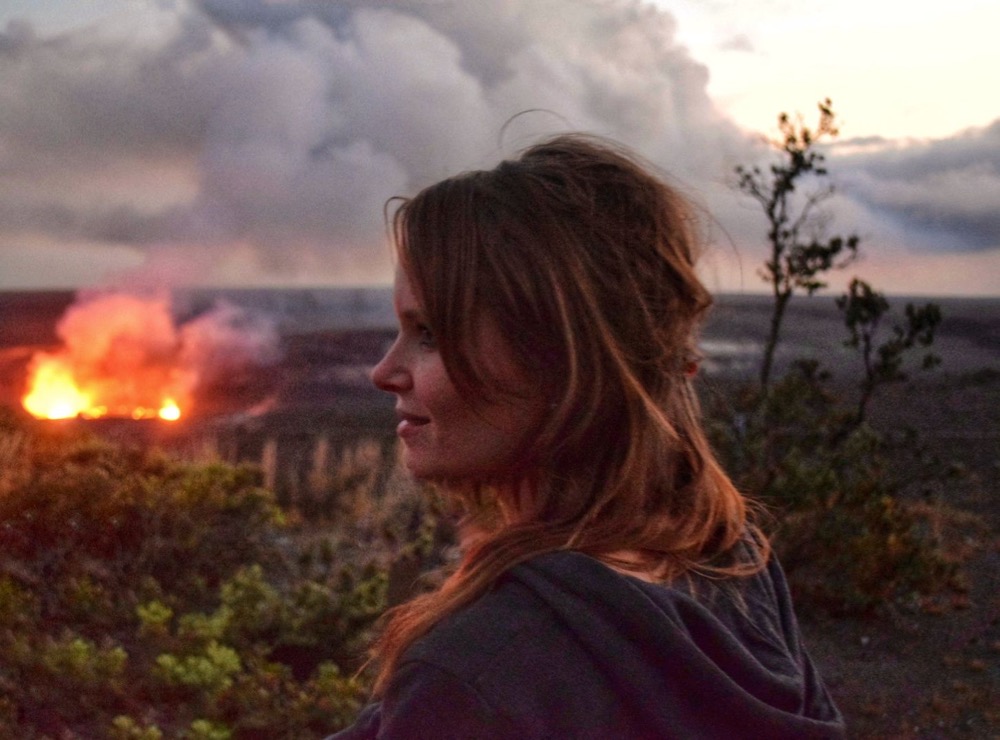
(969, 337)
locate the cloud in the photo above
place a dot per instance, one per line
(254, 141)
(738, 42)
(943, 193)
(276, 131)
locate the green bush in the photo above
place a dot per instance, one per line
(843, 520)
(146, 598)
(850, 540)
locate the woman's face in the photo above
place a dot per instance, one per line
(447, 436)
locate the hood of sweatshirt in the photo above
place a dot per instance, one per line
(700, 658)
(564, 647)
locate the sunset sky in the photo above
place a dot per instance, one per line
(253, 142)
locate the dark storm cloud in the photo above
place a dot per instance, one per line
(286, 125)
(119, 224)
(946, 193)
(70, 98)
(279, 129)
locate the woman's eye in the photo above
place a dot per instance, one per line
(425, 335)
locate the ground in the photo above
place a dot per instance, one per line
(927, 669)
(932, 668)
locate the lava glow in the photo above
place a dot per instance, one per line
(54, 393)
(169, 411)
(124, 356)
(57, 392)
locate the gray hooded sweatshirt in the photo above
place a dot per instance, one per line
(565, 647)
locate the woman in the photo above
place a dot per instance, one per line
(611, 583)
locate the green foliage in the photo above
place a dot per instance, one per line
(144, 598)
(203, 729)
(800, 254)
(846, 533)
(154, 618)
(838, 491)
(210, 670)
(126, 728)
(864, 309)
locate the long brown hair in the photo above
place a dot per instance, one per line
(584, 259)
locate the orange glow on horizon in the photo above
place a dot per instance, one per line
(169, 411)
(125, 356)
(122, 357)
(54, 393)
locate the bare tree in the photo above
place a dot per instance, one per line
(799, 252)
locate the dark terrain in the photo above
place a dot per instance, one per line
(929, 668)
(932, 668)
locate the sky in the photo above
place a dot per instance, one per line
(254, 142)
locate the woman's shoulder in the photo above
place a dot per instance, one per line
(517, 662)
(538, 600)
(507, 620)
(553, 610)
(565, 646)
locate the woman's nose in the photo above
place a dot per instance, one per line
(390, 374)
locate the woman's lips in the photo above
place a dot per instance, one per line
(409, 423)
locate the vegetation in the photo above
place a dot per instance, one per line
(847, 502)
(144, 598)
(848, 529)
(864, 309)
(799, 253)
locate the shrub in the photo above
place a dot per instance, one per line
(849, 540)
(146, 598)
(849, 537)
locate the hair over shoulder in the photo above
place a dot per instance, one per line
(584, 258)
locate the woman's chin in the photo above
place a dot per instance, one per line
(420, 469)
(436, 474)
